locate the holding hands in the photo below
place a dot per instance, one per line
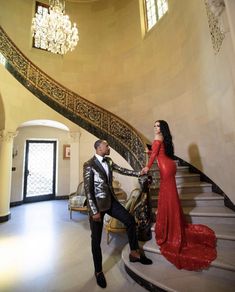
(144, 170)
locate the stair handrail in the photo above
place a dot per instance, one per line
(121, 136)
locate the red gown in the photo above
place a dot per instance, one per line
(187, 246)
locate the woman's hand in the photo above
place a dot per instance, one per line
(144, 170)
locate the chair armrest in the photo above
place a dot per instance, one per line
(77, 201)
(72, 195)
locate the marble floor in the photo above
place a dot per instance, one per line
(41, 249)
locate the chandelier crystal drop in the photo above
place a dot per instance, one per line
(52, 29)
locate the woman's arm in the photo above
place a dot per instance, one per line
(154, 153)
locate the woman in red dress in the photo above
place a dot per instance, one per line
(187, 246)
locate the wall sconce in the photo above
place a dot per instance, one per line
(14, 153)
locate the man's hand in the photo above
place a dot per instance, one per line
(144, 170)
(96, 217)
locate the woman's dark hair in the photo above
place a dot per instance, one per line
(166, 133)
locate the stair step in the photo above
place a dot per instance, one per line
(179, 169)
(214, 215)
(210, 196)
(190, 187)
(225, 234)
(198, 187)
(195, 199)
(166, 276)
(207, 215)
(226, 231)
(180, 178)
(225, 258)
(200, 206)
(187, 177)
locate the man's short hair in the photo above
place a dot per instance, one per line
(98, 142)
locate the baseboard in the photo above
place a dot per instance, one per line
(66, 197)
(5, 218)
(14, 204)
(18, 203)
(228, 203)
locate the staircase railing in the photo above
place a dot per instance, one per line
(103, 124)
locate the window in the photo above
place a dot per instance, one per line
(41, 9)
(154, 10)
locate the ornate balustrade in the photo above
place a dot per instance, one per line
(103, 124)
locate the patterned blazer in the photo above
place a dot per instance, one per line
(98, 186)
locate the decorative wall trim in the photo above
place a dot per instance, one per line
(216, 6)
(103, 124)
(214, 9)
(6, 136)
(5, 218)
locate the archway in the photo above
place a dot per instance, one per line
(30, 178)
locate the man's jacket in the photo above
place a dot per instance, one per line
(98, 186)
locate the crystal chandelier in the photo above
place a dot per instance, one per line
(52, 29)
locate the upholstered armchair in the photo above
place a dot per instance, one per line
(139, 206)
(112, 225)
(77, 200)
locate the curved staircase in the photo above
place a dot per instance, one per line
(201, 205)
(103, 124)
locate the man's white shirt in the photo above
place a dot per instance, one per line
(103, 163)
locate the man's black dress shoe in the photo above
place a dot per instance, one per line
(142, 259)
(100, 279)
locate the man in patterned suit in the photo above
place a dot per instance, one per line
(101, 199)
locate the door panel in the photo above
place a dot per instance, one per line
(40, 165)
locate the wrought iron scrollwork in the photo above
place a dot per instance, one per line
(96, 120)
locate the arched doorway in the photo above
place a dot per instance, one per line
(38, 165)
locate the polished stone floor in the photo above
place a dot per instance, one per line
(41, 249)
